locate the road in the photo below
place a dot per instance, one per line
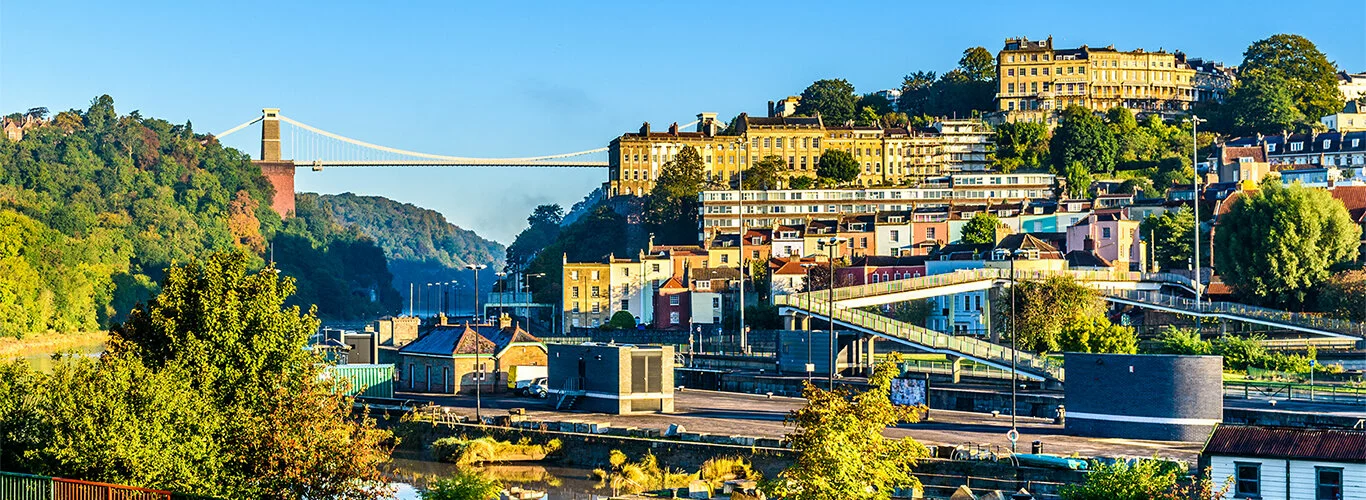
(761, 416)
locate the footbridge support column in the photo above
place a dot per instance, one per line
(956, 366)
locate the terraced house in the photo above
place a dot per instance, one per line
(886, 157)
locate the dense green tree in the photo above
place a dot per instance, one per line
(981, 229)
(671, 207)
(833, 99)
(1264, 103)
(879, 104)
(592, 238)
(1183, 341)
(1277, 244)
(1021, 145)
(1082, 137)
(543, 226)
(837, 166)
(1308, 76)
(207, 389)
(916, 93)
(868, 117)
(894, 119)
(1078, 179)
(978, 64)
(1171, 235)
(1145, 479)
(839, 446)
(801, 182)
(1045, 309)
(621, 320)
(1344, 295)
(1097, 334)
(765, 173)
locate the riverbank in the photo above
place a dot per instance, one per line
(49, 343)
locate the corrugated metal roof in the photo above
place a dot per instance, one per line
(1332, 445)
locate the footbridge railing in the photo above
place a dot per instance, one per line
(1030, 365)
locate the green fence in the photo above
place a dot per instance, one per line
(25, 487)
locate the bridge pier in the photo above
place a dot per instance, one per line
(278, 171)
(956, 368)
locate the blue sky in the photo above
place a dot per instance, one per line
(481, 79)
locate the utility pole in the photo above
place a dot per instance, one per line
(410, 298)
(834, 243)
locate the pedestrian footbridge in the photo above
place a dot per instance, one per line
(1137, 289)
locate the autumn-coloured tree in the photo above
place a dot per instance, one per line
(841, 452)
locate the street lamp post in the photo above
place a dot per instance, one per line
(833, 242)
(478, 315)
(809, 292)
(1014, 350)
(478, 349)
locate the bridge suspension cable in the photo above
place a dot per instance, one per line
(225, 133)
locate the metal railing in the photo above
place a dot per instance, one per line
(967, 347)
(946, 368)
(1290, 391)
(1307, 320)
(14, 486)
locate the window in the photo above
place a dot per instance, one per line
(1271, 147)
(574, 292)
(673, 317)
(725, 258)
(597, 308)
(768, 142)
(1010, 72)
(896, 235)
(1104, 233)
(673, 301)
(1247, 480)
(625, 271)
(716, 301)
(625, 304)
(1297, 146)
(596, 292)
(573, 275)
(1328, 483)
(654, 267)
(929, 233)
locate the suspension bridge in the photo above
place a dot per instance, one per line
(317, 149)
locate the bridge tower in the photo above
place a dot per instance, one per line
(279, 171)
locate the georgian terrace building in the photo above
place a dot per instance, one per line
(794, 206)
(895, 156)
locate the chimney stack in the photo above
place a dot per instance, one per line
(770, 109)
(645, 129)
(673, 129)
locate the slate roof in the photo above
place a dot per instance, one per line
(1080, 258)
(1329, 445)
(1026, 241)
(447, 340)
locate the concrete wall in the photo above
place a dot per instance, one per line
(1145, 396)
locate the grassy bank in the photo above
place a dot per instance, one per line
(48, 342)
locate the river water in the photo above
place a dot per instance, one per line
(560, 483)
(43, 360)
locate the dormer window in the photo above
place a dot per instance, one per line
(1271, 147)
(1297, 146)
(1327, 143)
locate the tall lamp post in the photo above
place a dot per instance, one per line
(833, 242)
(532, 298)
(1014, 351)
(740, 208)
(478, 315)
(810, 290)
(1195, 203)
(478, 348)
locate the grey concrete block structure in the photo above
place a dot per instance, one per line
(613, 378)
(1143, 396)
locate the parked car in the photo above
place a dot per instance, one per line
(538, 388)
(525, 387)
